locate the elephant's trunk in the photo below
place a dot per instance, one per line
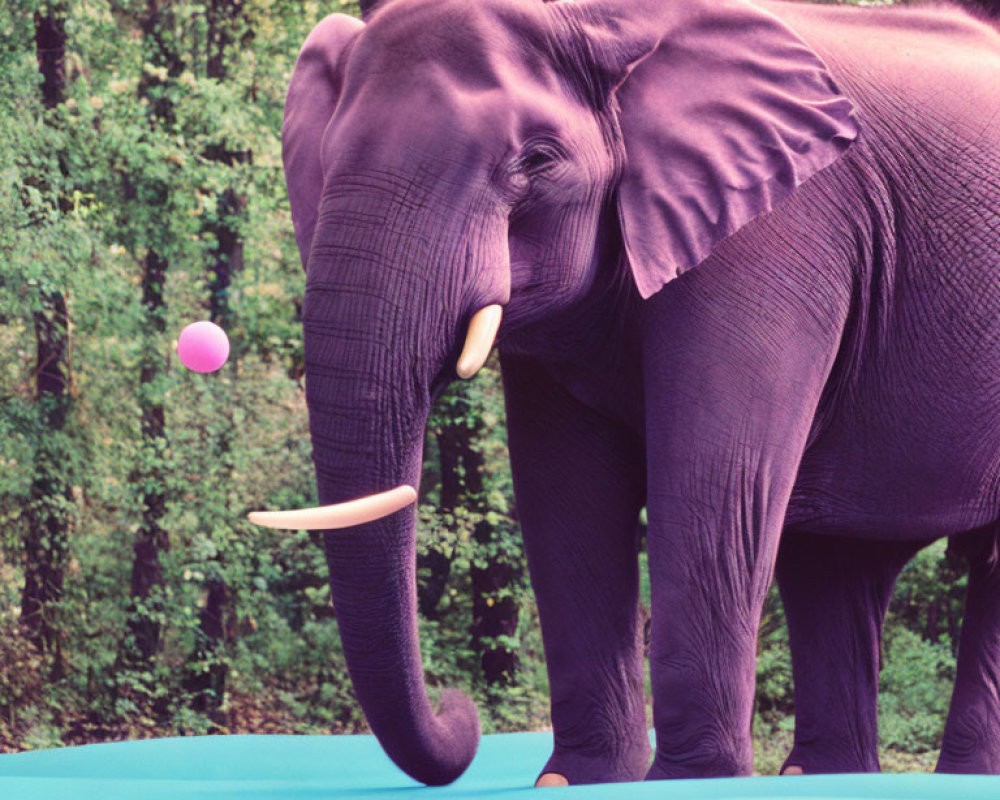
(372, 575)
(369, 398)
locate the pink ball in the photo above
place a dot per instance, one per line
(203, 346)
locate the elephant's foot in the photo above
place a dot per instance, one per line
(612, 764)
(967, 766)
(971, 744)
(727, 766)
(971, 750)
(832, 758)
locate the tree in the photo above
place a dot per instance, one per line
(50, 503)
(227, 26)
(150, 475)
(462, 431)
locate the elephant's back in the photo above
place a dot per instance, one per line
(930, 68)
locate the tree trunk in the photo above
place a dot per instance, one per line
(227, 254)
(208, 670)
(50, 50)
(494, 610)
(434, 563)
(146, 604)
(225, 20)
(206, 679)
(48, 513)
(152, 540)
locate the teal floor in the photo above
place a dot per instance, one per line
(336, 767)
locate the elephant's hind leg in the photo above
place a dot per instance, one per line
(836, 591)
(972, 732)
(578, 480)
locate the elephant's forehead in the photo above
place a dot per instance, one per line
(475, 38)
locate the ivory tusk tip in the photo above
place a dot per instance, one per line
(466, 371)
(269, 519)
(479, 340)
(407, 494)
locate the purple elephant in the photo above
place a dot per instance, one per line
(748, 261)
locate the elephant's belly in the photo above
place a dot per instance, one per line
(909, 454)
(896, 506)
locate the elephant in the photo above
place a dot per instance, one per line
(741, 263)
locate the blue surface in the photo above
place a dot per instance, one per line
(335, 767)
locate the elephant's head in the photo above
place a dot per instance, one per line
(450, 157)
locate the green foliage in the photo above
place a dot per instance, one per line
(774, 662)
(930, 595)
(476, 408)
(916, 689)
(125, 165)
(920, 645)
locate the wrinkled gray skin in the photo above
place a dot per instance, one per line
(748, 258)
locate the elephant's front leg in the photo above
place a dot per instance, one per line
(733, 371)
(578, 480)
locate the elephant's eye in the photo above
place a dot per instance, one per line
(539, 159)
(540, 156)
(536, 161)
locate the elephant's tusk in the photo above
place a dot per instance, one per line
(339, 515)
(483, 329)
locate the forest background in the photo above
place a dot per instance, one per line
(141, 189)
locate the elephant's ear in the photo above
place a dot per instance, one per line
(724, 117)
(312, 96)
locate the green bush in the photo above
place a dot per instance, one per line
(916, 683)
